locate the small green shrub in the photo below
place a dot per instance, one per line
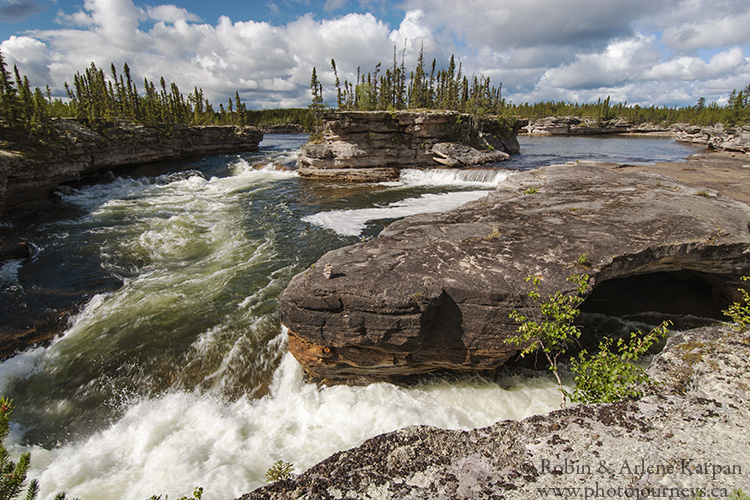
(604, 377)
(609, 376)
(280, 470)
(739, 312)
(531, 190)
(551, 328)
(737, 494)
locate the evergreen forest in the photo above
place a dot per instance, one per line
(428, 87)
(100, 99)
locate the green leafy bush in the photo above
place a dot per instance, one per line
(739, 312)
(551, 328)
(609, 376)
(197, 495)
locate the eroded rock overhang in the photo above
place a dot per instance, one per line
(374, 146)
(434, 291)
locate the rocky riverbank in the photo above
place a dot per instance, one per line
(717, 137)
(434, 291)
(76, 150)
(687, 438)
(362, 146)
(72, 152)
(583, 125)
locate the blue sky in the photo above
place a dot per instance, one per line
(666, 52)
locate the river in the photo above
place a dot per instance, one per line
(173, 372)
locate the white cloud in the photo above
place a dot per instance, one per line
(170, 14)
(621, 62)
(529, 23)
(724, 31)
(31, 55)
(269, 64)
(334, 4)
(539, 49)
(413, 34)
(687, 68)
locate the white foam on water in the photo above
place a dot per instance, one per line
(175, 442)
(353, 222)
(91, 197)
(270, 169)
(453, 177)
(187, 238)
(37, 358)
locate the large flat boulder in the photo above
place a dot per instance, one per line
(434, 291)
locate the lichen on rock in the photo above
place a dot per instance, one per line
(689, 434)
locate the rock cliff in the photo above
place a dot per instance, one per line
(717, 137)
(579, 125)
(362, 146)
(78, 150)
(434, 291)
(687, 439)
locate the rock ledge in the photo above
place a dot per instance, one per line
(689, 435)
(433, 292)
(373, 146)
(80, 150)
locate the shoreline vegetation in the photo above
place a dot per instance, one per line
(429, 87)
(100, 100)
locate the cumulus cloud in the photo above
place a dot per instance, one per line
(170, 14)
(723, 31)
(641, 51)
(31, 55)
(269, 65)
(687, 68)
(620, 63)
(529, 23)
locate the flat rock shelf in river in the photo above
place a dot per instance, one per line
(433, 292)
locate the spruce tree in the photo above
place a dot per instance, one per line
(10, 106)
(13, 474)
(316, 89)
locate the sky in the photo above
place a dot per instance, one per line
(646, 52)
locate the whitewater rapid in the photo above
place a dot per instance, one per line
(174, 373)
(179, 377)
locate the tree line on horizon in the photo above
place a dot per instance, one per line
(451, 89)
(100, 99)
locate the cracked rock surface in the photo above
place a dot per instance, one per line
(689, 435)
(433, 291)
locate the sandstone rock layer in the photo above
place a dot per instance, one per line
(434, 291)
(80, 150)
(362, 146)
(689, 435)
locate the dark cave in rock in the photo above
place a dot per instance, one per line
(687, 298)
